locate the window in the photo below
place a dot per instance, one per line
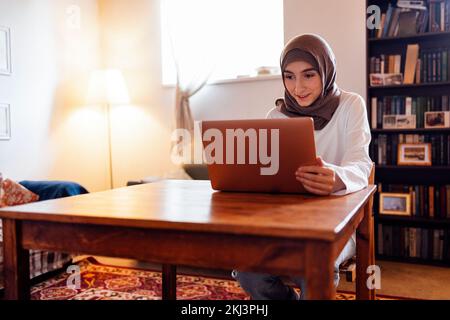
(240, 36)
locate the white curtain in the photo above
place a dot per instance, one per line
(194, 41)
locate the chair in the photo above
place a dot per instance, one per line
(349, 267)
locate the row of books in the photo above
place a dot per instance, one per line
(385, 63)
(427, 201)
(420, 66)
(409, 18)
(408, 242)
(439, 19)
(433, 65)
(384, 148)
(402, 105)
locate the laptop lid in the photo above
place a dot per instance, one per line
(259, 155)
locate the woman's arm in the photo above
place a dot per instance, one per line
(354, 169)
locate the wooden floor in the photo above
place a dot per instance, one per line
(397, 279)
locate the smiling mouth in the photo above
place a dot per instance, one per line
(303, 97)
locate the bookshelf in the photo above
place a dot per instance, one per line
(423, 236)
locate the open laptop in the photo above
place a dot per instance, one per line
(258, 155)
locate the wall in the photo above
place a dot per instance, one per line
(141, 130)
(342, 23)
(54, 136)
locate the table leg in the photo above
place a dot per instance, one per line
(319, 273)
(16, 262)
(169, 282)
(365, 255)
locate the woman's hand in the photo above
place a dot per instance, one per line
(319, 179)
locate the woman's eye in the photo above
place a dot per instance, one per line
(288, 76)
(309, 75)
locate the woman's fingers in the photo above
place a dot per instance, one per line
(325, 188)
(315, 169)
(316, 179)
(327, 179)
(315, 191)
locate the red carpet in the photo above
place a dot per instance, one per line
(101, 282)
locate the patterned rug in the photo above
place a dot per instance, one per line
(102, 282)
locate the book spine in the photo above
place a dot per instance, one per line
(412, 242)
(438, 67)
(431, 201)
(408, 106)
(443, 204)
(447, 189)
(436, 244)
(433, 70)
(374, 110)
(444, 66)
(380, 239)
(424, 244)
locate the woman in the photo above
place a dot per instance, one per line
(342, 137)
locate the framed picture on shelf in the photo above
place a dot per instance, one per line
(395, 203)
(399, 121)
(5, 51)
(406, 121)
(389, 121)
(385, 79)
(5, 122)
(414, 154)
(437, 119)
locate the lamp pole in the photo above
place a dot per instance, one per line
(108, 115)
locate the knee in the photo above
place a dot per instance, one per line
(245, 279)
(252, 283)
(263, 286)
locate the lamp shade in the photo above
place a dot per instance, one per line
(107, 86)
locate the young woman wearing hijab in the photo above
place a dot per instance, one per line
(342, 137)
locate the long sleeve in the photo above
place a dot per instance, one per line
(354, 168)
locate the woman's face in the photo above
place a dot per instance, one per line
(303, 82)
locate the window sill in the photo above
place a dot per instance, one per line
(237, 80)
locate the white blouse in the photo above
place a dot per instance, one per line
(344, 142)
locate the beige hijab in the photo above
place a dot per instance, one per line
(316, 51)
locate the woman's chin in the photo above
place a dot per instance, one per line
(304, 104)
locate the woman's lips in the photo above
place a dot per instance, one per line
(303, 97)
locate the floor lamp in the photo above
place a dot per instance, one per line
(107, 88)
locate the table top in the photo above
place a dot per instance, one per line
(192, 205)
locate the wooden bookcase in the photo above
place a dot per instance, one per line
(408, 175)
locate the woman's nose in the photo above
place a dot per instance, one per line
(299, 87)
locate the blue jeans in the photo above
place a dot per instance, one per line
(270, 287)
(53, 189)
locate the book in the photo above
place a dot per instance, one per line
(412, 54)
(418, 67)
(407, 23)
(380, 31)
(374, 113)
(387, 20)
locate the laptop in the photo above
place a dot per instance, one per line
(258, 155)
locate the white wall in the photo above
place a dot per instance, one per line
(53, 135)
(342, 23)
(140, 131)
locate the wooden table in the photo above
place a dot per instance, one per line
(187, 223)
